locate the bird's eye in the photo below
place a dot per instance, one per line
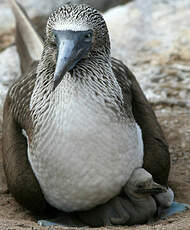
(88, 36)
(55, 37)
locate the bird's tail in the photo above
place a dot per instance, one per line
(28, 41)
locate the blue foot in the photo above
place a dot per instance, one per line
(175, 208)
(46, 223)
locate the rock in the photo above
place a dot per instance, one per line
(6, 39)
(153, 39)
(44, 7)
(10, 71)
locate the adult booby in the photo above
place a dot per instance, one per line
(81, 111)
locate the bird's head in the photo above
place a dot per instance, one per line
(142, 184)
(74, 33)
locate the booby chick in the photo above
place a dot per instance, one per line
(140, 207)
(78, 108)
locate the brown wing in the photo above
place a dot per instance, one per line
(28, 41)
(20, 178)
(156, 153)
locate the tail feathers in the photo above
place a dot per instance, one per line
(28, 42)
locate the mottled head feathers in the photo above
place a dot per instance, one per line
(79, 18)
(140, 175)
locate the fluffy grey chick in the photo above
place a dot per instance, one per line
(139, 205)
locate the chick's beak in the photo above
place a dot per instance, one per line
(152, 188)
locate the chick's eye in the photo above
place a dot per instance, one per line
(140, 186)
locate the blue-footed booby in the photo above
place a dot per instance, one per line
(76, 123)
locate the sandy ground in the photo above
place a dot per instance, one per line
(176, 128)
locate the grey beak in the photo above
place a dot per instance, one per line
(65, 59)
(72, 47)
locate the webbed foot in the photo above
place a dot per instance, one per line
(175, 208)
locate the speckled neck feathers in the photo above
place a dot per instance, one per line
(93, 80)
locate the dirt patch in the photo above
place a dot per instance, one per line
(6, 39)
(177, 130)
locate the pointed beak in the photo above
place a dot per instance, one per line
(153, 188)
(72, 47)
(65, 60)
